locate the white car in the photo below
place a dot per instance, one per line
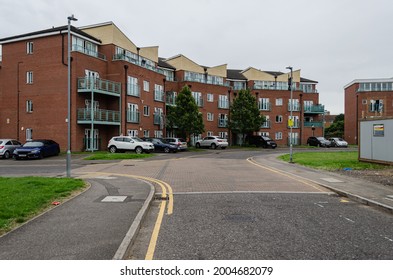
(212, 142)
(338, 142)
(129, 143)
(7, 147)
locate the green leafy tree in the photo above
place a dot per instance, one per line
(185, 116)
(245, 116)
(336, 129)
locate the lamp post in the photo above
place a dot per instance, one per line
(68, 168)
(291, 118)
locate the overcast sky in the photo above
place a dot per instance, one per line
(331, 41)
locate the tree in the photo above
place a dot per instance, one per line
(185, 116)
(336, 129)
(245, 116)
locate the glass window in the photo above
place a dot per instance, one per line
(29, 47)
(210, 97)
(146, 85)
(29, 77)
(279, 102)
(146, 111)
(29, 106)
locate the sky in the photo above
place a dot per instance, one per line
(331, 41)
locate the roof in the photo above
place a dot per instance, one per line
(304, 80)
(233, 74)
(358, 81)
(162, 63)
(47, 32)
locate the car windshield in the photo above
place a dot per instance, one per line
(33, 144)
(181, 140)
(321, 139)
(1, 142)
(136, 139)
(266, 138)
(339, 139)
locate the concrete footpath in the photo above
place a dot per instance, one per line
(99, 224)
(362, 191)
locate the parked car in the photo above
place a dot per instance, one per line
(318, 141)
(161, 145)
(129, 143)
(7, 147)
(261, 141)
(338, 142)
(37, 149)
(212, 142)
(179, 142)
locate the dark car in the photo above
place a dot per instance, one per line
(161, 145)
(261, 141)
(318, 142)
(37, 149)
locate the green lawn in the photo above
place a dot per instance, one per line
(110, 156)
(25, 197)
(331, 160)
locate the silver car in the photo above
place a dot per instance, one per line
(7, 147)
(212, 142)
(128, 143)
(179, 142)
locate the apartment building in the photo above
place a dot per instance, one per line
(120, 88)
(366, 99)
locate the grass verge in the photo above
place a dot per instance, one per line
(110, 156)
(331, 160)
(24, 197)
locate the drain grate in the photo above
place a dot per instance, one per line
(160, 197)
(113, 198)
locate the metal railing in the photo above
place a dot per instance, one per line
(314, 109)
(96, 84)
(133, 90)
(99, 115)
(89, 52)
(264, 106)
(313, 124)
(133, 116)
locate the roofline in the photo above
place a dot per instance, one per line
(358, 81)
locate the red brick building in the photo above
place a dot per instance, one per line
(366, 99)
(119, 88)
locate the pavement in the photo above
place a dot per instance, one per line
(102, 222)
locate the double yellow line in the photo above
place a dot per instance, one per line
(166, 203)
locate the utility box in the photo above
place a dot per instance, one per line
(376, 141)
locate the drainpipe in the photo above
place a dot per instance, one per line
(301, 118)
(17, 102)
(125, 99)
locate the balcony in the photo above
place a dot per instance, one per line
(199, 101)
(133, 116)
(141, 63)
(90, 52)
(223, 104)
(314, 109)
(99, 116)
(99, 85)
(159, 119)
(313, 124)
(266, 124)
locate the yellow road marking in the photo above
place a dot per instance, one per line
(250, 160)
(164, 186)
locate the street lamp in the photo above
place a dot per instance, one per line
(291, 118)
(68, 168)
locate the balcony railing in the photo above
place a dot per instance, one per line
(89, 52)
(264, 106)
(159, 95)
(222, 122)
(133, 116)
(266, 124)
(199, 101)
(313, 124)
(314, 109)
(295, 107)
(223, 104)
(99, 116)
(133, 90)
(136, 62)
(88, 84)
(170, 98)
(159, 119)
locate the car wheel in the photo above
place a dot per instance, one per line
(166, 150)
(318, 145)
(223, 148)
(138, 150)
(214, 146)
(112, 149)
(6, 155)
(41, 155)
(197, 145)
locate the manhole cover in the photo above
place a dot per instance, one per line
(112, 198)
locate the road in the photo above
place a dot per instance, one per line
(227, 206)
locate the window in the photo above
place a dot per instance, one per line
(29, 77)
(210, 117)
(210, 97)
(264, 104)
(376, 105)
(146, 110)
(146, 85)
(198, 98)
(266, 123)
(210, 133)
(308, 105)
(223, 135)
(223, 102)
(132, 132)
(158, 92)
(29, 106)
(279, 119)
(29, 47)
(132, 86)
(146, 133)
(279, 102)
(278, 135)
(29, 134)
(158, 134)
(222, 120)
